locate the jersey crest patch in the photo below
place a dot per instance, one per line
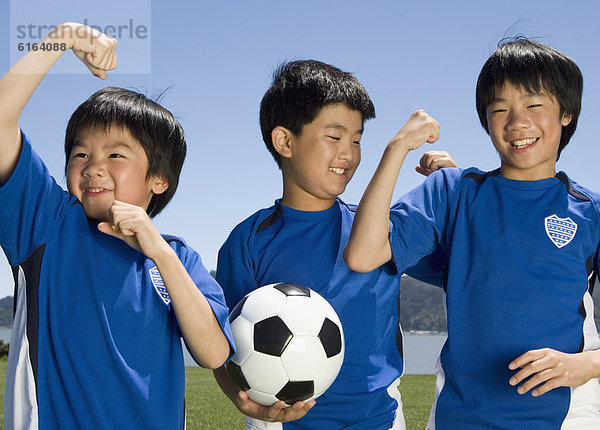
(159, 285)
(560, 230)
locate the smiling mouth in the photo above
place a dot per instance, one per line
(337, 170)
(94, 190)
(523, 143)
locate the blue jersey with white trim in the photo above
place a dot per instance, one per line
(521, 259)
(280, 244)
(95, 341)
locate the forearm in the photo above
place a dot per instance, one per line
(369, 246)
(19, 83)
(198, 323)
(226, 384)
(16, 88)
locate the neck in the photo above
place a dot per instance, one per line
(533, 174)
(307, 204)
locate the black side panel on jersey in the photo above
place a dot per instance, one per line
(591, 273)
(31, 268)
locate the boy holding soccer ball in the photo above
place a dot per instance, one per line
(101, 299)
(312, 120)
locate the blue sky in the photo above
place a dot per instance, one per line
(217, 59)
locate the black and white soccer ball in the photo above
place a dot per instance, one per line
(290, 344)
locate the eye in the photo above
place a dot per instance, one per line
(534, 105)
(499, 110)
(334, 138)
(79, 155)
(115, 155)
(356, 141)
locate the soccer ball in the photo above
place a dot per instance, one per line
(290, 344)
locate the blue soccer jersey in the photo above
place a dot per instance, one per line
(521, 261)
(95, 341)
(280, 244)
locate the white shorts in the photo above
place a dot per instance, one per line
(398, 424)
(254, 424)
(584, 412)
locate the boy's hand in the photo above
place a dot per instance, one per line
(95, 49)
(552, 369)
(132, 225)
(434, 160)
(419, 128)
(274, 413)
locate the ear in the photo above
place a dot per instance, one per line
(282, 141)
(159, 184)
(566, 120)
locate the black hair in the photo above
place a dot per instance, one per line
(300, 89)
(150, 124)
(537, 68)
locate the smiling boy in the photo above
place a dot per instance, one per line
(122, 178)
(524, 129)
(312, 120)
(522, 252)
(101, 298)
(326, 155)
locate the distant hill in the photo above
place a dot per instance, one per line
(421, 306)
(6, 311)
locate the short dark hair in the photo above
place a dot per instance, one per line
(153, 126)
(300, 89)
(536, 68)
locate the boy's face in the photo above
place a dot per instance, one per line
(322, 160)
(105, 166)
(525, 129)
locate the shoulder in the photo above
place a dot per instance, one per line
(176, 242)
(448, 175)
(187, 255)
(179, 245)
(258, 221)
(581, 193)
(347, 207)
(578, 191)
(444, 181)
(458, 177)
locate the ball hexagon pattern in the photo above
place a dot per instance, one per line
(289, 342)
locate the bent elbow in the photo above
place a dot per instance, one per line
(355, 262)
(213, 357)
(214, 361)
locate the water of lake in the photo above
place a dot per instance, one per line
(420, 351)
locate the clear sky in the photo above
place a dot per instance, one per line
(217, 59)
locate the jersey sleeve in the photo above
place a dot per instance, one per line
(430, 269)
(418, 221)
(31, 203)
(235, 271)
(208, 286)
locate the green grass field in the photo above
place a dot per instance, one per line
(209, 408)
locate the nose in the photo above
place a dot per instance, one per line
(518, 120)
(347, 151)
(94, 168)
